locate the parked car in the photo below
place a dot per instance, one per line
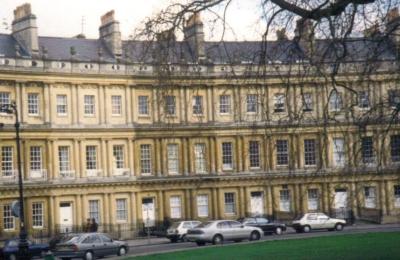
(263, 223)
(10, 249)
(89, 246)
(218, 231)
(312, 221)
(178, 230)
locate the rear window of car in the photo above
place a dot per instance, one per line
(175, 224)
(205, 224)
(70, 239)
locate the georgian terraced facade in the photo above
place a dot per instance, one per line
(104, 137)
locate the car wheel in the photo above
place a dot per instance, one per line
(298, 230)
(306, 229)
(254, 236)
(217, 240)
(339, 227)
(278, 231)
(184, 238)
(89, 256)
(12, 257)
(121, 251)
(200, 243)
(174, 240)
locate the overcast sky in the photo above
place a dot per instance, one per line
(63, 18)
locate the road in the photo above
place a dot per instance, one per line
(166, 246)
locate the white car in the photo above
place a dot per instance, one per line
(312, 221)
(178, 230)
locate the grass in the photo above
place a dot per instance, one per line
(357, 246)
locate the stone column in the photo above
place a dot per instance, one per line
(185, 159)
(51, 215)
(82, 158)
(128, 107)
(131, 155)
(325, 198)
(388, 198)
(188, 202)
(211, 153)
(50, 159)
(54, 168)
(354, 206)
(78, 207)
(160, 205)
(106, 209)
(47, 104)
(215, 202)
(242, 203)
(133, 208)
(104, 159)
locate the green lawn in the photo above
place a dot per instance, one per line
(358, 246)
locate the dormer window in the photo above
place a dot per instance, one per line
(34, 63)
(88, 66)
(142, 68)
(115, 67)
(61, 65)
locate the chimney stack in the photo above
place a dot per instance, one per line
(110, 34)
(24, 29)
(393, 26)
(304, 34)
(194, 36)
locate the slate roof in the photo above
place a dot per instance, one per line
(287, 51)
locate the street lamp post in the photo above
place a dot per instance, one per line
(23, 245)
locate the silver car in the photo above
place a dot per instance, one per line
(89, 246)
(218, 231)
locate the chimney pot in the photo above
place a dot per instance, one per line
(24, 29)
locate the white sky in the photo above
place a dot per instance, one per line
(63, 18)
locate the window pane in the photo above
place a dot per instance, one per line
(173, 161)
(367, 150)
(252, 103)
(143, 105)
(33, 104)
(170, 105)
(395, 148)
(202, 205)
(200, 158)
(313, 199)
(89, 105)
(8, 219)
(282, 155)
(116, 105)
(227, 160)
(230, 207)
(197, 105)
(279, 103)
(122, 213)
(224, 104)
(335, 101)
(309, 152)
(118, 153)
(254, 154)
(61, 104)
(307, 102)
(7, 161)
(145, 159)
(63, 158)
(175, 206)
(338, 152)
(91, 157)
(35, 158)
(284, 202)
(4, 98)
(37, 214)
(94, 211)
(363, 99)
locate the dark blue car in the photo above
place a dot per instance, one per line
(10, 249)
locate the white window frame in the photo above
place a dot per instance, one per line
(200, 158)
(37, 215)
(370, 197)
(363, 99)
(143, 105)
(118, 156)
(313, 199)
(7, 161)
(62, 105)
(367, 152)
(94, 210)
(202, 205)
(33, 104)
(116, 105)
(339, 158)
(227, 155)
(229, 203)
(254, 154)
(64, 163)
(91, 157)
(307, 102)
(4, 99)
(225, 104)
(281, 153)
(173, 159)
(145, 159)
(395, 148)
(284, 200)
(8, 218)
(279, 103)
(197, 105)
(335, 101)
(252, 103)
(121, 210)
(175, 203)
(170, 105)
(89, 105)
(36, 160)
(310, 152)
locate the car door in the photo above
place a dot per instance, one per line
(109, 247)
(312, 221)
(323, 221)
(238, 230)
(225, 230)
(264, 224)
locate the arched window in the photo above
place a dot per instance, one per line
(335, 101)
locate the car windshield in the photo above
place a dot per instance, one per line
(175, 224)
(299, 217)
(205, 224)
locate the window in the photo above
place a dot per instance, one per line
(309, 152)
(335, 101)
(338, 152)
(394, 97)
(396, 189)
(279, 103)
(230, 206)
(7, 161)
(37, 214)
(254, 154)
(143, 105)
(252, 103)
(94, 211)
(116, 105)
(118, 153)
(202, 205)
(170, 105)
(175, 206)
(282, 155)
(284, 202)
(367, 150)
(363, 99)
(227, 160)
(173, 161)
(370, 197)
(91, 157)
(4, 98)
(395, 148)
(8, 218)
(313, 199)
(200, 158)
(197, 105)
(224, 104)
(307, 102)
(35, 158)
(122, 211)
(62, 104)
(63, 159)
(33, 104)
(145, 159)
(89, 104)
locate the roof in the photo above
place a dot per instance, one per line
(286, 51)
